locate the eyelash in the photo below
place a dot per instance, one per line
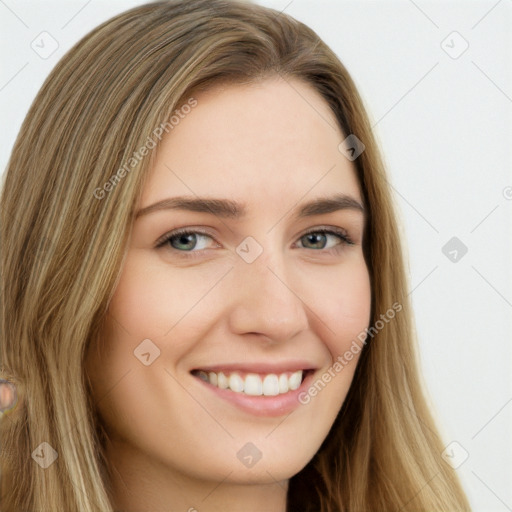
(341, 234)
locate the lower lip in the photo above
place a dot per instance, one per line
(278, 405)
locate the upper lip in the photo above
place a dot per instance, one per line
(260, 367)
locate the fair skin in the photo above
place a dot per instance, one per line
(174, 439)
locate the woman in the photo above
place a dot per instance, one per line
(272, 367)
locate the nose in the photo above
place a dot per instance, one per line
(264, 300)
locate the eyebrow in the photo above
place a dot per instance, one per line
(227, 208)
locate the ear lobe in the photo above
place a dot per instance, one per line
(8, 395)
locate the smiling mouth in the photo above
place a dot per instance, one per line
(254, 384)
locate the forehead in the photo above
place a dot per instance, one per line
(274, 141)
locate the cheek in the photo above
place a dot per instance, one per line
(151, 301)
(178, 310)
(342, 304)
(148, 304)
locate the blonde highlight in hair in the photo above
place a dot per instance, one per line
(63, 249)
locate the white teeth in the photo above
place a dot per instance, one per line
(254, 384)
(236, 383)
(271, 385)
(222, 381)
(283, 383)
(295, 380)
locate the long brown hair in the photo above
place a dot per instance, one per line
(64, 233)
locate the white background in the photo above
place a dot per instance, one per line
(445, 127)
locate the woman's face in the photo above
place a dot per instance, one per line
(248, 300)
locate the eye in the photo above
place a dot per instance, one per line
(187, 242)
(320, 235)
(183, 240)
